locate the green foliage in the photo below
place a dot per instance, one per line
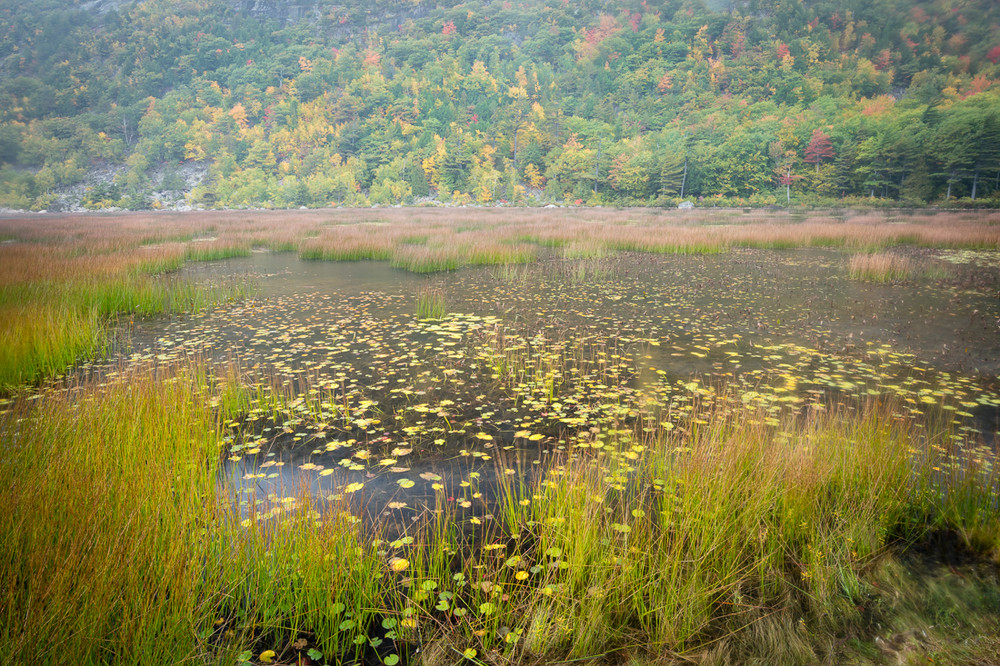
(475, 104)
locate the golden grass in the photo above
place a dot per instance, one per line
(117, 545)
(880, 267)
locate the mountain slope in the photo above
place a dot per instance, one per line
(325, 103)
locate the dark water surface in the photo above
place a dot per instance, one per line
(534, 361)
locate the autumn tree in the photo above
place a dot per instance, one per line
(482, 102)
(820, 148)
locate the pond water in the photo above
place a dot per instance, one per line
(354, 395)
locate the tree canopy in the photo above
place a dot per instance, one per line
(343, 102)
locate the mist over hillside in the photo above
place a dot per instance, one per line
(247, 103)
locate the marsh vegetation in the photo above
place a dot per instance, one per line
(589, 436)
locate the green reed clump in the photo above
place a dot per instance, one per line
(666, 247)
(514, 274)
(585, 250)
(106, 494)
(438, 257)
(283, 245)
(419, 259)
(431, 304)
(328, 251)
(162, 264)
(40, 340)
(497, 254)
(587, 271)
(414, 239)
(729, 535)
(290, 570)
(47, 326)
(826, 241)
(551, 240)
(115, 544)
(770, 243)
(215, 251)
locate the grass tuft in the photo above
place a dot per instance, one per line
(880, 267)
(431, 304)
(120, 544)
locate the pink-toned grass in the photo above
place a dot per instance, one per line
(51, 246)
(45, 260)
(880, 267)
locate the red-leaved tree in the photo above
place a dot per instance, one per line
(819, 148)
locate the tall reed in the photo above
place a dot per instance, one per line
(880, 267)
(115, 544)
(727, 535)
(431, 303)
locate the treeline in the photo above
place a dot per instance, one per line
(638, 102)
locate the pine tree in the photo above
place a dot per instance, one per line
(672, 173)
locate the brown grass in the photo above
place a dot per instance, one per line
(74, 245)
(880, 267)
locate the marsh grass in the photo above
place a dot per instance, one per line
(729, 537)
(214, 251)
(116, 547)
(709, 530)
(58, 297)
(431, 303)
(100, 547)
(880, 267)
(588, 271)
(40, 340)
(50, 325)
(440, 257)
(512, 274)
(584, 250)
(116, 255)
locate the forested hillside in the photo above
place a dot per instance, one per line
(357, 102)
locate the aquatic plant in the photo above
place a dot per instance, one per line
(121, 252)
(880, 267)
(604, 496)
(725, 527)
(431, 304)
(205, 576)
(723, 534)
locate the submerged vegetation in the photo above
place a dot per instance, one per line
(702, 447)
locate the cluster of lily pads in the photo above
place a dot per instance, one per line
(361, 394)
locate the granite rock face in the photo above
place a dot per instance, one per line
(277, 10)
